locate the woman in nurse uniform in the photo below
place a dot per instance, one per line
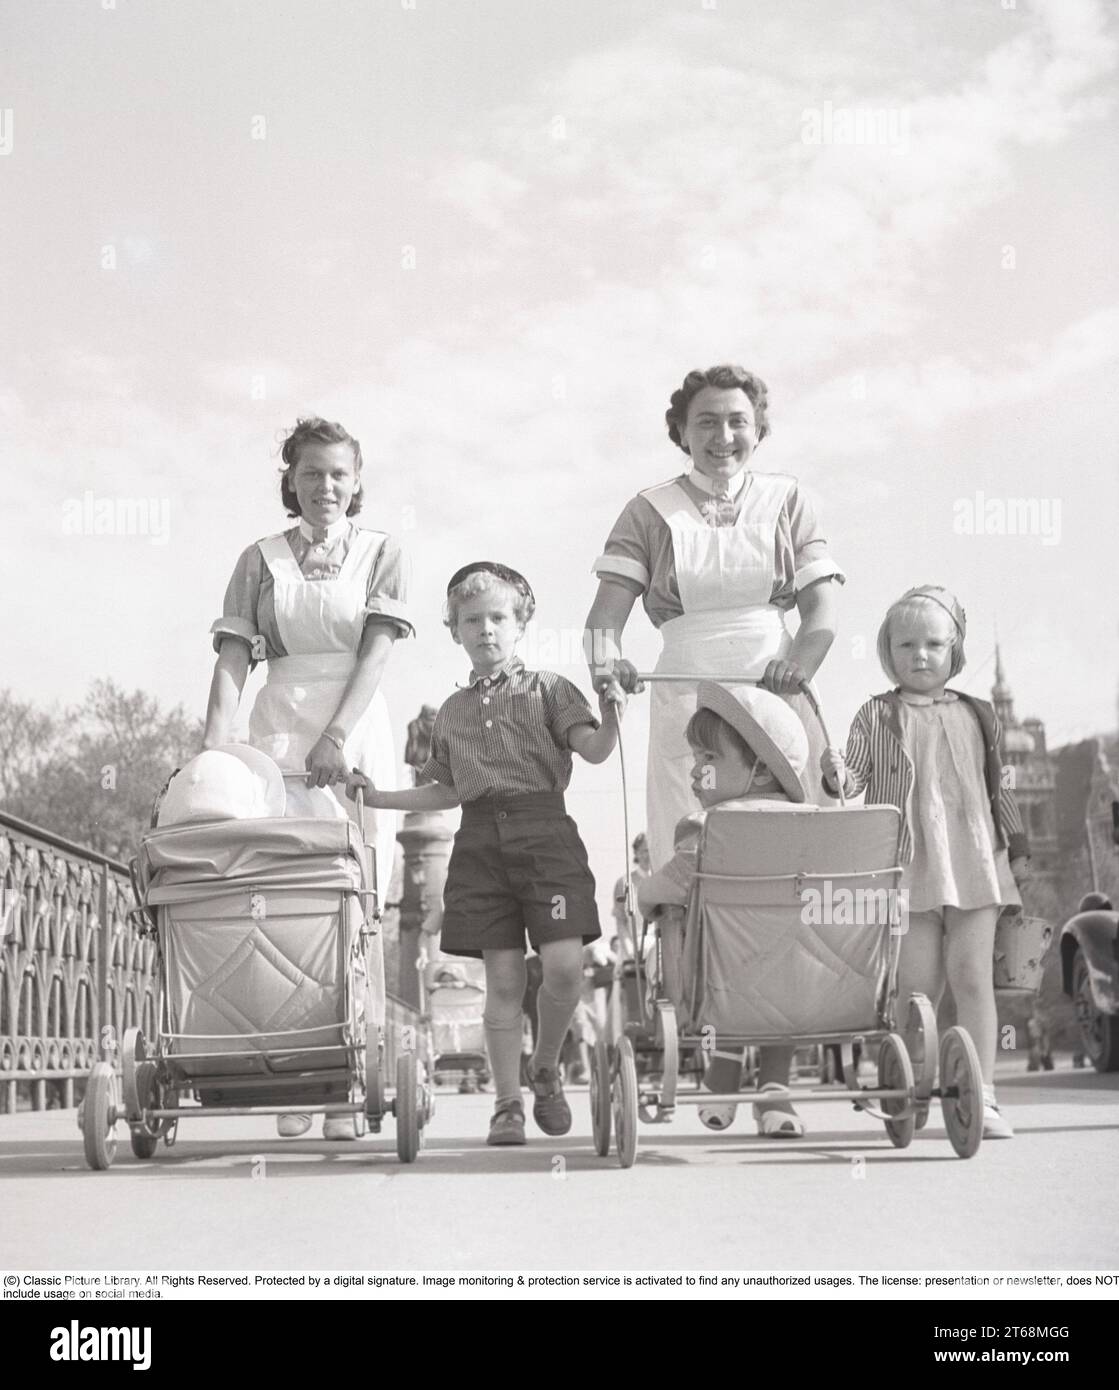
(718, 555)
(322, 603)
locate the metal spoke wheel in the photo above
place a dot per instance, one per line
(921, 1039)
(961, 1091)
(895, 1073)
(600, 1098)
(100, 1110)
(625, 1099)
(407, 1108)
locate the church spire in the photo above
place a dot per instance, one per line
(1001, 697)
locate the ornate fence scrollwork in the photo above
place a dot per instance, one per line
(74, 972)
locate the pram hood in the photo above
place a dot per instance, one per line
(188, 862)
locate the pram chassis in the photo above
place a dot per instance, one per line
(908, 1059)
(146, 1093)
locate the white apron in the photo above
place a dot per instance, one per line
(725, 576)
(320, 623)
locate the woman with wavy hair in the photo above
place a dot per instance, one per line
(718, 555)
(322, 603)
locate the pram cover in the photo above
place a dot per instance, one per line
(258, 922)
(788, 926)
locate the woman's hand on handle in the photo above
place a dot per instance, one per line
(618, 673)
(784, 677)
(326, 764)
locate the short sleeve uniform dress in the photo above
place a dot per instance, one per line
(716, 577)
(301, 600)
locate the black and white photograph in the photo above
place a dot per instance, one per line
(559, 711)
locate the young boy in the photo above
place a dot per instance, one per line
(501, 748)
(749, 747)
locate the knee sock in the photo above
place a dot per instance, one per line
(554, 1018)
(503, 1043)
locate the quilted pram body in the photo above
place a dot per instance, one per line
(793, 923)
(267, 979)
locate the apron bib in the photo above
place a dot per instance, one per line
(320, 623)
(725, 575)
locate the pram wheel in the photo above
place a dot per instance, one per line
(406, 1109)
(99, 1117)
(961, 1091)
(600, 1098)
(895, 1073)
(624, 1096)
(144, 1143)
(921, 1043)
(374, 1093)
(137, 1074)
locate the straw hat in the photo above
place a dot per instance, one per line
(768, 725)
(233, 782)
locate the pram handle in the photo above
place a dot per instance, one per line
(359, 800)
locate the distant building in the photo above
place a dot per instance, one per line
(1035, 776)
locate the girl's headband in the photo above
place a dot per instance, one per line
(935, 594)
(502, 572)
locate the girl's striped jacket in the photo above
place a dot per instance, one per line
(878, 760)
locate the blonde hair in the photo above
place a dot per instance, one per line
(912, 603)
(483, 582)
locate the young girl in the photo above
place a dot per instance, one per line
(934, 753)
(501, 748)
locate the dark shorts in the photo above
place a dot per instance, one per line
(518, 866)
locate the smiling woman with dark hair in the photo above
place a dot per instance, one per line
(322, 603)
(717, 555)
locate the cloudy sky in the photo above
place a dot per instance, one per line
(491, 238)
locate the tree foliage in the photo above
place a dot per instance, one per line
(92, 773)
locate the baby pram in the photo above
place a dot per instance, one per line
(271, 988)
(792, 936)
(456, 991)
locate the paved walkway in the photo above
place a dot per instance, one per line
(230, 1195)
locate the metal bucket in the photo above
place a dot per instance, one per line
(1021, 945)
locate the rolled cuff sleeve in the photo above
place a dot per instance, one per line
(622, 567)
(233, 627)
(565, 706)
(390, 610)
(435, 771)
(824, 568)
(387, 594)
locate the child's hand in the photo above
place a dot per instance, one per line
(355, 780)
(611, 698)
(1020, 868)
(834, 766)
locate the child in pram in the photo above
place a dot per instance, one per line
(750, 751)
